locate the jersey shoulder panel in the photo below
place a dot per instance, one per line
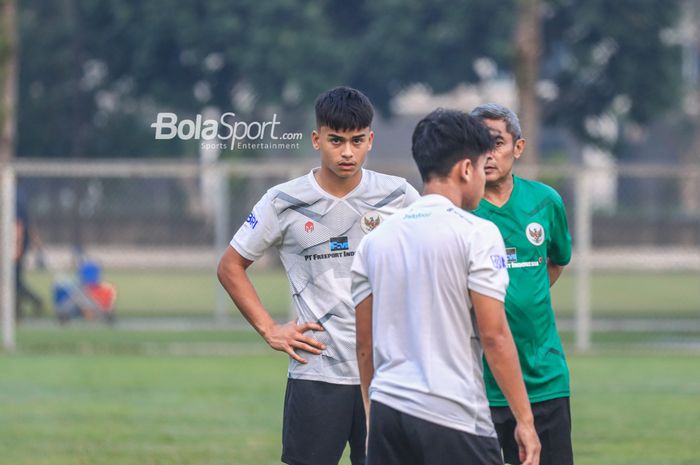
(384, 180)
(540, 190)
(299, 192)
(474, 221)
(381, 189)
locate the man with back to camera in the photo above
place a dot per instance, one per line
(532, 219)
(428, 288)
(316, 222)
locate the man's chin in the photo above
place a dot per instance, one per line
(346, 174)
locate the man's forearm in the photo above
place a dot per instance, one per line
(502, 358)
(234, 279)
(366, 373)
(287, 338)
(365, 359)
(554, 271)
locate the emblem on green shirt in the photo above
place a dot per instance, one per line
(535, 233)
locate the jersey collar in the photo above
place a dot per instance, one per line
(317, 186)
(486, 204)
(433, 200)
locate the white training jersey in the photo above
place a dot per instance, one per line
(317, 235)
(419, 267)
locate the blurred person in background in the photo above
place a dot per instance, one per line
(26, 238)
(532, 220)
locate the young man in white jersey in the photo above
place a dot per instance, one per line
(429, 287)
(316, 223)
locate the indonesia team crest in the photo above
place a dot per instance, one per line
(535, 233)
(370, 221)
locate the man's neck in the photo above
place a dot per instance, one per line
(499, 192)
(335, 186)
(445, 189)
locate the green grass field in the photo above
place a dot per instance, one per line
(88, 396)
(153, 293)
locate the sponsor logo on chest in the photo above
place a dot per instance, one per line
(339, 248)
(339, 243)
(512, 260)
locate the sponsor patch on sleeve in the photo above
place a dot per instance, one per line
(498, 261)
(252, 220)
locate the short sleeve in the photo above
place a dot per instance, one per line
(411, 195)
(360, 287)
(559, 249)
(488, 273)
(260, 230)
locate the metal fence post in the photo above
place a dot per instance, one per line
(222, 238)
(584, 222)
(7, 253)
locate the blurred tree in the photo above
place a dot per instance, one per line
(8, 80)
(609, 59)
(387, 45)
(690, 186)
(113, 64)
(528, 51)
(96, 72)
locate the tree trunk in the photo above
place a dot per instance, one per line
(690, 185)
(528, 46)
(8, 78)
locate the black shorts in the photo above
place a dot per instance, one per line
(319, 420)
(553, 425)
(396, 438)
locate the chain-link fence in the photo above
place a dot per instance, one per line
(158, 228)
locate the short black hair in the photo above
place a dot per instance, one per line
(445, 137)
(343, 109)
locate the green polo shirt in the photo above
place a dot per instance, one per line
(534, 228)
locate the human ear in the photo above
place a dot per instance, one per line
(465, 169)
(519, 148)
(315, 138)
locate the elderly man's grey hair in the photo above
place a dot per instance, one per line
(499, 112)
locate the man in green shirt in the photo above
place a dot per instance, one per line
(532, 220)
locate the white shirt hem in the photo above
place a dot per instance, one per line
(397, 405)
(324, 379)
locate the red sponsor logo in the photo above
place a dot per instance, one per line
(309, 226)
